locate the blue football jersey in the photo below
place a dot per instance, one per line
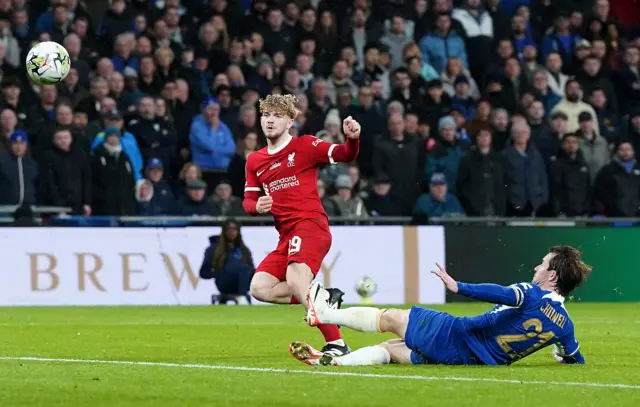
(525, 320)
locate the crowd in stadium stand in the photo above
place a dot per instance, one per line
(468, 107)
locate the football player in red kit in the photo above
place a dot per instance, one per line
(286, 171)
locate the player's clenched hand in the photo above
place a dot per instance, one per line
(449, 282)
(351, 128)
(264, 204)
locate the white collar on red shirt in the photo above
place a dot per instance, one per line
(285, 142)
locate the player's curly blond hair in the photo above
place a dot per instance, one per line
(284, 104)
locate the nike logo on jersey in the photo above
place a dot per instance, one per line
(259, 173)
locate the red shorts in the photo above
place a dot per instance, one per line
(307, 243)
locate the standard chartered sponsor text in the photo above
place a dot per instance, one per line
(283, 183)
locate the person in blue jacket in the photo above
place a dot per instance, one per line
(438, 202)
(442, 44)
(212, 144)
(129, 146)
(229, 262)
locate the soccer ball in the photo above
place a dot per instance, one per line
(366, 287)
(48, 63)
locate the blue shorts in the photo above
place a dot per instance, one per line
(435, 338)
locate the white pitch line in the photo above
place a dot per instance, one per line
(324, 372)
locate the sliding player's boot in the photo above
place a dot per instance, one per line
(306, 354)
(332, 349)
(335, 298)
(317, 302)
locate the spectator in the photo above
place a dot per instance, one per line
(627, 80)
(113, 120)
(13, 98)
(327, 203)
(607, 119)
(8, 125)
(570, 183)
(478, 30)
(66, 176)
(454, 70)
(462, 97)
(228, 261)
(195, 202)
(113, 186)
(396, 38)
(381, 200)
(556, 79)
(438, 202)
(481, 179)
(591, 77)
(445, 155)
(572, 106)
(594, 148)
(617, 185)
(525, 174)
(543, 91)
(18, 172)
(339, 80)
(500, 129)
(346, 203)
(561, 40)
(212, 143)
(155, 197)
(442, 44)
(398, 157)
(155, 136)
(542, 135)
(226, 203)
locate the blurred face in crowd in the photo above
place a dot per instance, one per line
(62, 139)
(224, 97)
(106, 106)
(344, 193)
(257, 42)
(377, 87)
(599, 49)
(601, 9)
(191, 173)
(172, 17)
(474, 4)
(292, 78)
(141, 23)
(520, 133)
(448, 133)
(64, 115)
(587, 126)
(161, 107)
(275, 19)
(411, 123)
(562, 24)
(308, 19)
(454, 67)
(349, 55)
(382, 188)
(505, 49)
(118, 6)
(439, 191)
(308, 47)
(536, 111)
(249, 116)
(462, 89)
(397, 25)
(72, 78)
(11, 92)
(80, 120)
(73, 45)
(625, 152)
(518, 25)
(61, 15)
(320, 90)
(483, 111)
(147, 67)
(80, 27)
(161, 29)
(9, 121)
(402, 80)
(570, 145)
(354, 174)
(303, 64)
(147, 108)
(554, 62)
(442, 6)
(372, 56)
(223, 192)
(112, 140)
(530, 53)
(421, 7)
(415, 66)
(598, 99)
(500, 119)
(326, 19)
(540, 82)
(458, 117)
(208, 34)
(19, 148)
(155, 174)
(592, 66)
(231, 231)
(635, 122)
(211, 113)
(573, 92)
(396, 124)
(576, 20)
(632, 56)
(443, 23)
(483, 140)
(559, 125)
(196, 194)
(99, 89)
(116, 83)
(523, 10)
(512, 68)
(359, 18)
(164, 57)
(20, 18)
(49, 94)
(143, 46)
(250, 142)
(340, 70)
(105, 68)
(169, 90)
(303, 103)
(236, 50)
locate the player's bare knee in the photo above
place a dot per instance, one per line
(259, 291)
(395, 321)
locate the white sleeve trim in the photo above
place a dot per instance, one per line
(256, 189)
(519, 295)
(330, 152)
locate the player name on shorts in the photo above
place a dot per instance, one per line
(283, 183)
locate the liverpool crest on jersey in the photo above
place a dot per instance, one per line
(290, 160)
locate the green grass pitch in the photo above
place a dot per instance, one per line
(237, 356)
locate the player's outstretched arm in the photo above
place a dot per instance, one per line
(251, 191)
(328, 153)
(493, 293)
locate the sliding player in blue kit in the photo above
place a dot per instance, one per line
(528, 317)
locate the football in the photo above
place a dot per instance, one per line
(366, 287)
(48, 63)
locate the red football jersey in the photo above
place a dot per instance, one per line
(289, 175)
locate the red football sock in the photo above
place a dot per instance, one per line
(330, 332)
(294, 300)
